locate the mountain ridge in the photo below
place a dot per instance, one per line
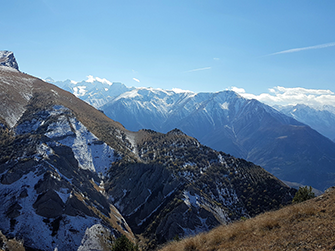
(226, 121)
(321, 120)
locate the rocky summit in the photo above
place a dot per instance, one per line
(7, 59)
(73, 179)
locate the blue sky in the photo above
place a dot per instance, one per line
(198, 45)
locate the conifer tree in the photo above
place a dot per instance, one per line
(304, 193)
(123, 244)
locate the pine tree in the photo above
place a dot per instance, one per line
(304, 193)
(123, 244)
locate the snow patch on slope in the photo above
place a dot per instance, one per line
(60, 128)
(225, 106)
(90, 152)
(35, 228)
(79, 91)
(191, 200)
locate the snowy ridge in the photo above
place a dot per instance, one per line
(90, 152)
(176, 105)
(163, 110)
(95, 91)
(321, 119)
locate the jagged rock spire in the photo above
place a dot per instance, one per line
(7, 59)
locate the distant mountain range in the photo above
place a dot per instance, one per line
(322, 120)
(73, 179)
(95, 91)
(225, 121)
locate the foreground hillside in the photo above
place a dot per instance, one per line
(305, 226)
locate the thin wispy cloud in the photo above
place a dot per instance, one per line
(200, 69)
(320, 46)
(137, 80)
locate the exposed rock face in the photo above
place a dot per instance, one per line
(49, 205)
(96, 238)
(7, 59)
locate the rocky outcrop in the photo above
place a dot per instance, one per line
(96, 238)
(7, 59)
(49, 205)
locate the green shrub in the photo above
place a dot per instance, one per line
(123, 244)
(304, 193)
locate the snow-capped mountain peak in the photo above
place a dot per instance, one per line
(91, 79)
(320, 118)
(178, 90)
(94, 90)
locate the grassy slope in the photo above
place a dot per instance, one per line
(306, 226)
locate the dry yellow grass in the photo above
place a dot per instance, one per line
(306, 226)
(10, 244)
